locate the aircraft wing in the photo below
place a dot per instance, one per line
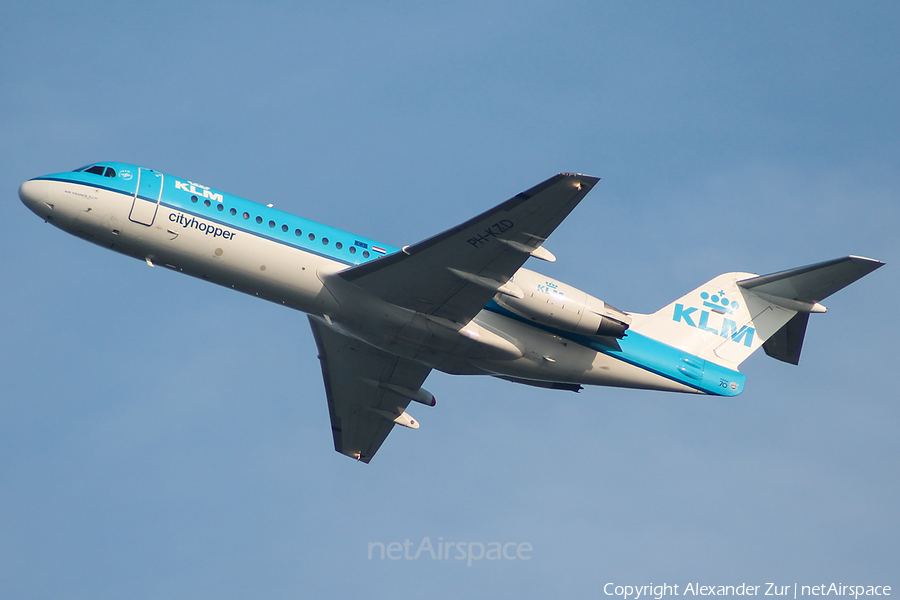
(367, 389)
(455, 273)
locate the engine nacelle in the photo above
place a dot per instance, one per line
(559, 305)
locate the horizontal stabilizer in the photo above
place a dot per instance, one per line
(804, 288)
(813, 283)
(787, 342)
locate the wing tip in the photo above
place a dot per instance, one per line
(356, 455)
(876, 264)
(583, 177)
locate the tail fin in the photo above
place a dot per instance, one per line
(728, 318)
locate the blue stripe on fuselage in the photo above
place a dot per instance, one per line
(180, 200)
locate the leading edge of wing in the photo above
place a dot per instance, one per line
(455, 273)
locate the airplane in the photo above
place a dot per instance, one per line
(460, 302)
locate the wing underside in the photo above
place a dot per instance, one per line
(362, 383)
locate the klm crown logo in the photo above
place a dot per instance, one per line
(718, 305)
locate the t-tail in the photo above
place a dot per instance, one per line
(728, 318)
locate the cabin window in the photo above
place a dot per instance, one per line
(99, 170)
(338, 245)
(284, 228)
(206, 203)
(297, 232)
(325, 241)
(259, 219)
(233, 211)
(312, 236)
(220, 206)
(365, 254)
(352, 249)
(246, 215)
(271, 223)
(193, 198)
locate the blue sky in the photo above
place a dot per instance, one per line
(164, 438)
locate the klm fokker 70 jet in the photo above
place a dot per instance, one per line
(459, 302)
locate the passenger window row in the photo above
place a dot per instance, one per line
(110, 172)
(246, 215)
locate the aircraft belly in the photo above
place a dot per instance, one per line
(413, 335)
(246, 262)
(549, 357)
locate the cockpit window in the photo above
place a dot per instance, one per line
(100, 170)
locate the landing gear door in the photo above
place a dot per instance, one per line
(147, 195)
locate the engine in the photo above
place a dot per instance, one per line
(556, 304)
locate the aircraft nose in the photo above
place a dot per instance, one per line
(33, 194)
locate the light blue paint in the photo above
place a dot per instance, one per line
(175, 197)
